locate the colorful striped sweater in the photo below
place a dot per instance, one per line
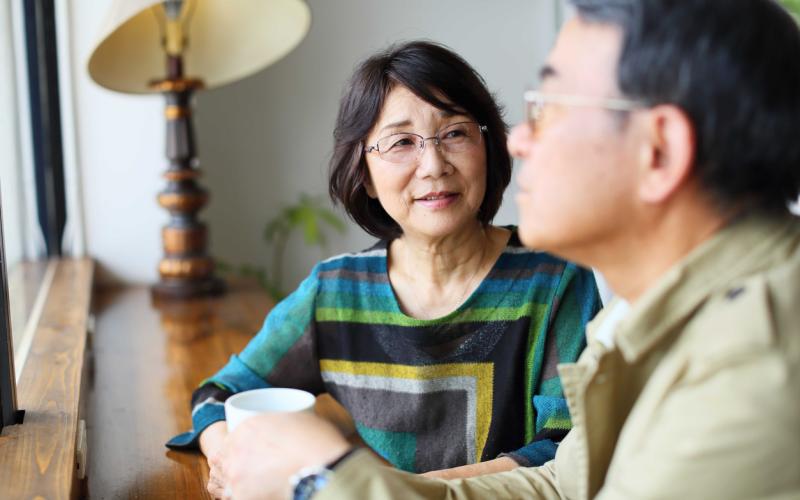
(424, 394)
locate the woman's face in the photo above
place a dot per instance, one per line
(437, 193)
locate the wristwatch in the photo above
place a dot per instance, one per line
(310, 480)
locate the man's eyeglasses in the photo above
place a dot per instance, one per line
(536, 103)
(406, 147)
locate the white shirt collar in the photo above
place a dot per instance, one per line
(605, 332)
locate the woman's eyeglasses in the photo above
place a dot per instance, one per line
(406, 147)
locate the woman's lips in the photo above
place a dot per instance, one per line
(437, 200)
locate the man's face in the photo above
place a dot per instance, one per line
(576, 184)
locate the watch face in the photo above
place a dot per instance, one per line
(311, 483)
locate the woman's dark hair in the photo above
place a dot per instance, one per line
(734, 67)
(441, 78)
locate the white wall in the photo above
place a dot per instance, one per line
(121, 142)
(265, 139)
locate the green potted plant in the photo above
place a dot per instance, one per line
(310, 216)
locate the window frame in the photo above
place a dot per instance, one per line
(41, 168)
(44, 104)
(10, 414)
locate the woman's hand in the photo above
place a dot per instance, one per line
(501, 464)
(212, 440)
(265, 451)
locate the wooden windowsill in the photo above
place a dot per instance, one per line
(38, 459)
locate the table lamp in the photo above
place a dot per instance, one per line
(176, 47)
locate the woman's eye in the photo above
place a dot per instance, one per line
(403, 142)
(455, 133)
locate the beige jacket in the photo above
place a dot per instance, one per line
(698, 398)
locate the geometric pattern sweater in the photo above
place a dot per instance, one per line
(475, 384)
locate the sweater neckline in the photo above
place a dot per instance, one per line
(513, 242)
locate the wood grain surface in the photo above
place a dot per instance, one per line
(37, 458)
(148, 358)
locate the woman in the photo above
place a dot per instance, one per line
(422, 337)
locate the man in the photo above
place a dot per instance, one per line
(662, 150)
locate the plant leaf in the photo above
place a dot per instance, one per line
(310, 227)
(332, 219)
(276, 227)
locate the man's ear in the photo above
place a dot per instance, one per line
(667, 153)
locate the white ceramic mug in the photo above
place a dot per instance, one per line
(256, 402)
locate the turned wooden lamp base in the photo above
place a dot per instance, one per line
(176, 289)
(186, 270)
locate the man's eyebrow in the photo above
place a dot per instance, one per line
(546, 72)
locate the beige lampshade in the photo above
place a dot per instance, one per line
(227, 40)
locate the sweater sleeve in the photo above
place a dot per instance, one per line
(282, 354)
(575, 303)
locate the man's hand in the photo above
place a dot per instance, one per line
(212, 439)
(258, 459)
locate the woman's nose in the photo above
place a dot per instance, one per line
(432, 162)
(520, 140)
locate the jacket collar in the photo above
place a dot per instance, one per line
(737, 250)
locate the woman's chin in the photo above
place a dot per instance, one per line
(441, 226)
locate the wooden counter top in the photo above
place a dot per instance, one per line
(147, 361)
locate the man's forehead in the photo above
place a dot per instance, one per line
(583, 59)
